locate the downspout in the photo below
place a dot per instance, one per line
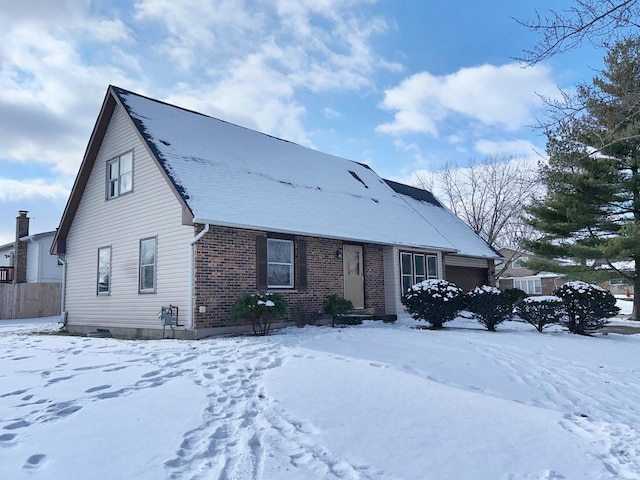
(63, 314)
(192, 269)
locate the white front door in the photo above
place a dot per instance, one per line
(353, 275)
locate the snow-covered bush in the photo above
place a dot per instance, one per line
(515, 295)
(260, 309)
(587, 306)
(540, 311)
(436, 301)
(490, 306)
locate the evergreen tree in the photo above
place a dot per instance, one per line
(591, 212)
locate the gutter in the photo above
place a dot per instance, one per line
(192, 268)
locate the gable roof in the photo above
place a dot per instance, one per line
(428, 207)
(229, 175)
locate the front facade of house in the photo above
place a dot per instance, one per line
(515, 274)
(171, 207)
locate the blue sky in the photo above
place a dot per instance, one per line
(403, 85)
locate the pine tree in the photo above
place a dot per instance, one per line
(591, 212)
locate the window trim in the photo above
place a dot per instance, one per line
(117, 181)
(98, 270)
(412, 275)
(292, 264)
(155, 265)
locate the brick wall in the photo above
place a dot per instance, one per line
(374, 278)
(225, 268)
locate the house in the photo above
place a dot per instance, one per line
(30, 278)
(172, 207)
(621, 284)
(27, 259)
(513, 273)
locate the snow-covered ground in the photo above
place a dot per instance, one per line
(374, 401)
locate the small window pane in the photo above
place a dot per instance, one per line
(406, 282)
(406, 264)
(147, 265)
(432, 267)
(279, 251)
(126, 163)
(126, 183)
(104, 270)
(353, 263)
(279, 275)
(419, 265)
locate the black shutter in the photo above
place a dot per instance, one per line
(261, 263)
(301, 279)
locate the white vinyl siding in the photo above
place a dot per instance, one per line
(41, 266)
(150, 210)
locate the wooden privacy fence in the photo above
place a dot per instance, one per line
(29, 300)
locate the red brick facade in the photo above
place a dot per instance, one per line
(225, 268)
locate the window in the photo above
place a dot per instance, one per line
(120, 175)
(529, 285)
(417, 267)
(104, 271)
(518, 262)
(279, 263)
(148, 265)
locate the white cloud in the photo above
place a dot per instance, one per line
(29, 189)
(504, 96)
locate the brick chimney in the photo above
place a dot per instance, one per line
(20, 248)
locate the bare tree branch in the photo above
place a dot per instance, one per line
(596, 21)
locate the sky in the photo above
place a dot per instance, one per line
(404, 87)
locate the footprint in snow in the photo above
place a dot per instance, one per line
(17, 392)
(97, 388)
(34, 461)
(6, 439)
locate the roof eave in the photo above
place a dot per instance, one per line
(263, 228)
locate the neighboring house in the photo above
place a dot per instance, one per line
(27, 259)
(172, 207)
(514, 274)
(30, 278)
(621, 286)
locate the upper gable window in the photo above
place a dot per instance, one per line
(120, 175)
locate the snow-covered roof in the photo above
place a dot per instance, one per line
(234, 176)
(428, 207)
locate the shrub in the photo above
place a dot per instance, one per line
(587, 306)
(540, 311)
(490, 306)
(260, 309)
(515, 295)
(335, 305)
(436, 301)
